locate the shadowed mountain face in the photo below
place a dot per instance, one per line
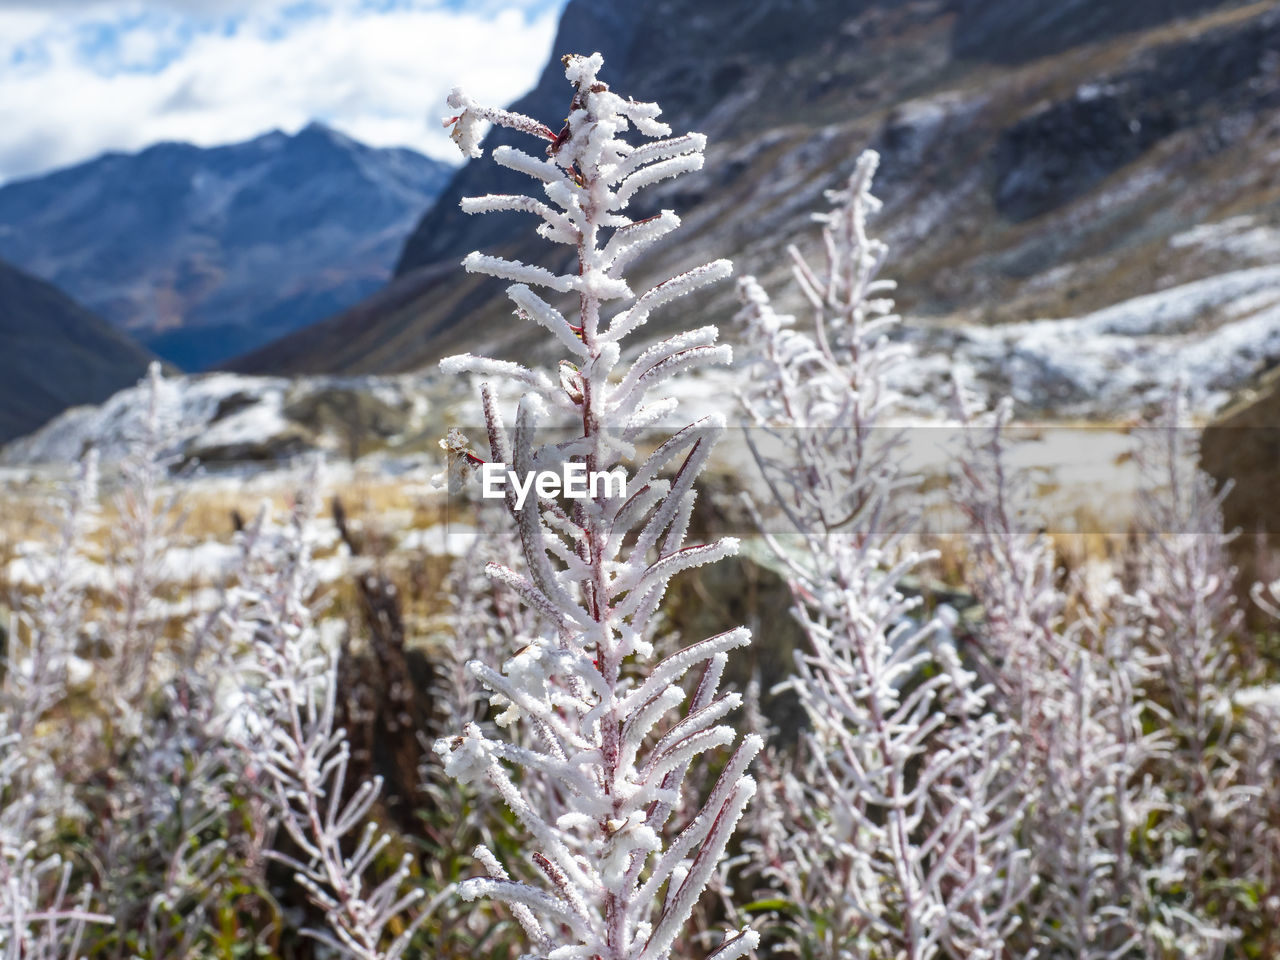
(649, 51)
(56, 354)
(1039, 161)
(1014, 31)
(201, 254)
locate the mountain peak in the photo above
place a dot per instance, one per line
(318, 130)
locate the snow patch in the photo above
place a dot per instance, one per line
(221, 415)
(1214, 334)
(1237, 236)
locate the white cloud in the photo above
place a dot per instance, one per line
(81, 76)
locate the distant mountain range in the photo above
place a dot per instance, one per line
(55, 354)
(201, 254)
(1039, 161)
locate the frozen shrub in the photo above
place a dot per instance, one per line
(900, 850)
(605, 876)
(1070, 765)
(1182, 600)
(155, 783)
(1076, 683)
(141, 780)
(290, 731)
(148, 516)
(42, 913)
(1251, 845)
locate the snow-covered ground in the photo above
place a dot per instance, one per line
(226, 416)
(1214, 335)
(1241, 236)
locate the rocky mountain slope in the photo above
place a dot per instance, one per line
(54, 354)
(201, 254)
(1041, 164)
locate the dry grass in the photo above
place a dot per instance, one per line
(381, 511)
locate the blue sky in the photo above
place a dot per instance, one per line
(78, 77)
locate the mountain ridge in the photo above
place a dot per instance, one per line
(204, 252)
(1038, 185)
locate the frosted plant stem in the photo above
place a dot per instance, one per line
(607, 878)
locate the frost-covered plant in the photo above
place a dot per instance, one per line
(148, 517)
(1076, 689)
(1252, 840)
(1092, 808)
(45, 634)
(1011, 571)
(896, 856)
(606, 876)
(40, 917)
(42, 913)
(1183, 600)
(1254, 836)
(1185, 595)
(485, 621)
(141, 786)
(154, 782)
(823, 398)
(1070, 762)
(300, 753)
(982, 872)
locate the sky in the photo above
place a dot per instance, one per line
(78, 77)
